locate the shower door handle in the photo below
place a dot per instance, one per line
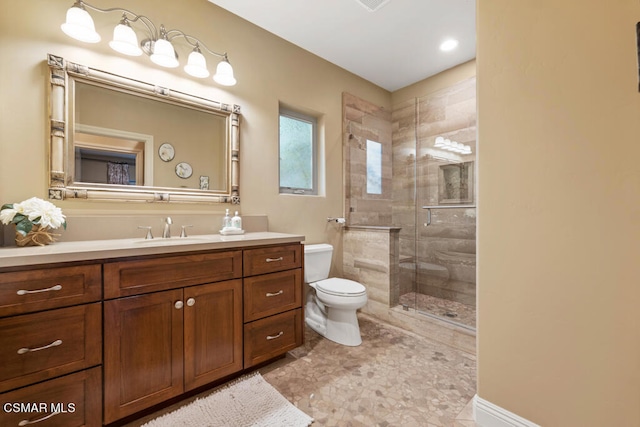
(428, 208)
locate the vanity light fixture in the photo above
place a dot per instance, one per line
(157, 44)
(447, 144)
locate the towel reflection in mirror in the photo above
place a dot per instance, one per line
(117, 173)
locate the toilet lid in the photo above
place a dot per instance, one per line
(341, 287)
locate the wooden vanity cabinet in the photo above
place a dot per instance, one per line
(51, 352)
(273, 316)
(105, 340)
(159, 345)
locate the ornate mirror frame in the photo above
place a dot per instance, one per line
(61, 183)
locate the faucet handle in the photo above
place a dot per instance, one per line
(183, 233)
(149, 236)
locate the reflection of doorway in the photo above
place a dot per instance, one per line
(95, 154)
(99, 149)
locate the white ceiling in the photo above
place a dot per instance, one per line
(394, 46)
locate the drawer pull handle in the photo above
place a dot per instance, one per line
(274, 259)
(273, 337)
(275, 294)
(27, 422)
(27, 350)
(53, 288)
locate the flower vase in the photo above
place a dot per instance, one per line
(38, 236)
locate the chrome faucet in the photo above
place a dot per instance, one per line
(166, 231)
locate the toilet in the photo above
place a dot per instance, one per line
(331, 302)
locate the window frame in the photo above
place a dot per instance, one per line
(313, 120)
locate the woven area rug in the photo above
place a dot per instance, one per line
(247, 401)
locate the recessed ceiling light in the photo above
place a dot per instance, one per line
(448, 45)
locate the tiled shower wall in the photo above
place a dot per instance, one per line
(364, 121)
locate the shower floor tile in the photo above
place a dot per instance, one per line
(395, 378)
(464, 314)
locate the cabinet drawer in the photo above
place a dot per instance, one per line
(273, 336)
(272, 294)
(134, 277)
(271, 259)
(39, 346)
(41, 289)
(77, 398)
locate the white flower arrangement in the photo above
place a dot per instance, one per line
(30, 212)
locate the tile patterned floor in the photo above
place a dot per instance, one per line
(395, 378)
(464, 314)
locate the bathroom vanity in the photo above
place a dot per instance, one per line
(128, 324)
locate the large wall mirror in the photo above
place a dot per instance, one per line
(114, 138)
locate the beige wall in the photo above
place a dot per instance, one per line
(559, 211)
(269, 70)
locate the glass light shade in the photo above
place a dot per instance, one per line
(439, 142)
(79, 25)
(196, 65)
(163, 54)
(224, 74)
(125, 41)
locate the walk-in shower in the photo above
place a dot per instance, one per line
(413, 169)
(434, 168)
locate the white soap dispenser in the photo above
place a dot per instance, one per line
(236, 222)
(226, 221)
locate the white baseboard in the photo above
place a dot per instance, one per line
(487, 414)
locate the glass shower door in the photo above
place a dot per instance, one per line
(445, 241)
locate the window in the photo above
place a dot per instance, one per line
(298, 153)
(374, 167)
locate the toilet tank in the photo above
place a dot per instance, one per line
(317, 262)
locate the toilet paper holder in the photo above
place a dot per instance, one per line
(338, 220)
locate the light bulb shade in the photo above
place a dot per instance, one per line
(125, 41)
(163, 54)
(439, 142)
(224, 74)
(79, 25)
(196, 65)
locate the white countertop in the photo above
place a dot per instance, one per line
(118, 248)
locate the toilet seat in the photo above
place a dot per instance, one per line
(341, 287)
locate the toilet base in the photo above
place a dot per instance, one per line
(340, 326)
(343, 327)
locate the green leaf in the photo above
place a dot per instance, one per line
(23, 227)
(19, 218)
(7, 206)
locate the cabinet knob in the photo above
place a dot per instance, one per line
(191, 302)
(179, 304)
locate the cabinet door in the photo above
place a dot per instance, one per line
(212, 332)
(143, 352)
